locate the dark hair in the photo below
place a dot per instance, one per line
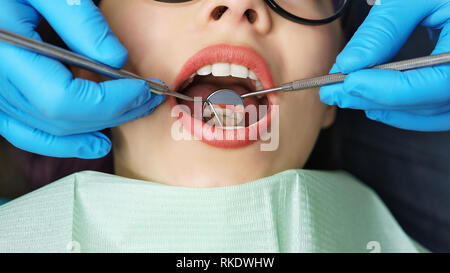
(40, 170)
(326, 154)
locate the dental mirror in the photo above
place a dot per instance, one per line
(227, 107)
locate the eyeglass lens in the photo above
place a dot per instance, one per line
(306, 9)
(312, 9)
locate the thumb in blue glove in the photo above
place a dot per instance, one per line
(415, 100)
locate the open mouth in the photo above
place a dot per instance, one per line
(223, 66)
(239, 78)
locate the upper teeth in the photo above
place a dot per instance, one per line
(228, 69)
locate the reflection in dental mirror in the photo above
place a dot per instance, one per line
(227, 107)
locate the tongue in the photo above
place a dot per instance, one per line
(203, 90)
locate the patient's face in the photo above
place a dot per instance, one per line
(172, 41)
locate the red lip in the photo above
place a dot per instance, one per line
(231, 138)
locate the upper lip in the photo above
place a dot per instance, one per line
(225, 53)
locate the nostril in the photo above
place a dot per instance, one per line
(251, 15)
(218, 12)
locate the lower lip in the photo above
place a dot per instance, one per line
(222, 138)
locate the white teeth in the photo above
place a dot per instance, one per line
(221, 69)
(224, 111)
(252, 75)
(227, 116)
(238, 71)
(227, 69)
(204, 71)
(207, 112)
(258, 86)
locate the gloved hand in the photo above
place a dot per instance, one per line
(43, 109)
(415, 100)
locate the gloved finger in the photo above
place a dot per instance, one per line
(383, 33)
(50, 88)
(21, 17)
(443, 44)
(336, 95)
(134, 114)
(115, 111)
(26, 114)
(410, 121)
(18, 16)
(393, 88)
(71, 20)
(86, 146)
(370, 89)
(430, 110)
(84, 29)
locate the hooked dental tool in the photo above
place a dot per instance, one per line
(304, 84)
(224, 97)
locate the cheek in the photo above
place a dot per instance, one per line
(144, 31)
(301, 117)
(135, 136)
(302, 111)
(310, 53)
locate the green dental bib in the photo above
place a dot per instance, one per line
(293, 211)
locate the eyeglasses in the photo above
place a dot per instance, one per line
(311, 12)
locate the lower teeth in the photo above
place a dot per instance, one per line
(228, 117)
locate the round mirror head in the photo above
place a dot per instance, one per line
(224, 108)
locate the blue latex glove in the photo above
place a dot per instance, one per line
(415, 100)
(3, 201)
(43, 109)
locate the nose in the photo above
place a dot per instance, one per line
(236, 13)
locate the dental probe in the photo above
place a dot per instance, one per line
(339, 77)
(71, 58)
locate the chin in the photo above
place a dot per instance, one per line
(223, 179)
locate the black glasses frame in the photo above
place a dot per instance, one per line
(275, 7)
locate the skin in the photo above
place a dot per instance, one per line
(160, 38)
